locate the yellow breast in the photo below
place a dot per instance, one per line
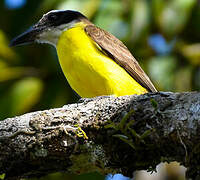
(89, 72)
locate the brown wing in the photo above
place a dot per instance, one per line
(115, 49)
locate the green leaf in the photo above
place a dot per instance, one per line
(6, 52)
(87, 7)
(9, 73)
(140, 19)
(2, 176)
(123, 122)
(183, 79)
(171, 16)
(192, 53)
(125, 139)
(162, 71)
(25, 94)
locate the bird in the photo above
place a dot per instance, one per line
(94, 62)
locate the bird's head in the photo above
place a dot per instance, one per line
(49, 27)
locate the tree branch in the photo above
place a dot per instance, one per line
(105, 134)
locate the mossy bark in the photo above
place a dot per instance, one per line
(104, 134)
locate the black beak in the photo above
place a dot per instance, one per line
(27, 37)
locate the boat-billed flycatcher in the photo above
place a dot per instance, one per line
(94, 61)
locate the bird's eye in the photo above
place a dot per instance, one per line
(52, 17)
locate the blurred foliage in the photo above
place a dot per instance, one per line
(162, 35)
(64, 176)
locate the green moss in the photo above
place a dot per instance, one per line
(40, 152)
(128, 134)
(154, 103)
(92, 158)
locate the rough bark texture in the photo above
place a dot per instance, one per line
(122, 135)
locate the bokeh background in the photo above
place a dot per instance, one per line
(163, 35)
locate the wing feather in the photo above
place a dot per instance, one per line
(116, 50)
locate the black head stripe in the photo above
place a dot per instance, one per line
(56, 18)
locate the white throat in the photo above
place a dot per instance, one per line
(52, 34)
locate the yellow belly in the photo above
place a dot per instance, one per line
(89, 72)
